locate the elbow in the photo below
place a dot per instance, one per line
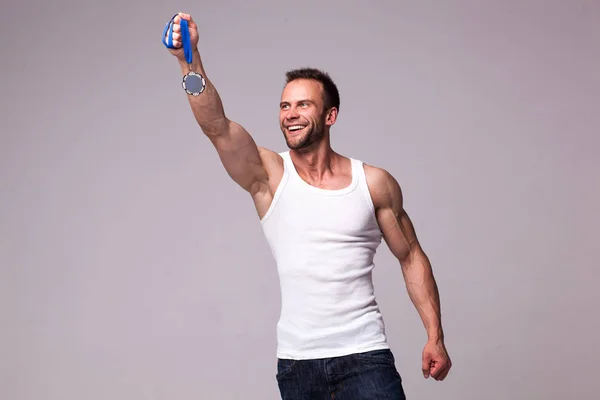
(412, 258)
(407, 263)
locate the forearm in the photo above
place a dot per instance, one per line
(207, 107)
(423, 292)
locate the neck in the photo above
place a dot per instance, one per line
(316, 161)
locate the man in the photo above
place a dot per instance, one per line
(323, 215)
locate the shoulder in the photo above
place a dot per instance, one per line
(383, 187)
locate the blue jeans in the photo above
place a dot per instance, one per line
(370, 376)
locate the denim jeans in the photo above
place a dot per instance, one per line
(370, 376)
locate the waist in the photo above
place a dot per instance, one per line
(313, 335)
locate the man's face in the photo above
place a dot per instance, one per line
(302, 114)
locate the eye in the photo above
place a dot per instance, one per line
(304, 105)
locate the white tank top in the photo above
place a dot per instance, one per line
(324, 242)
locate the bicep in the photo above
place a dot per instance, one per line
(398, 232)
(394, 222)
(240, 156)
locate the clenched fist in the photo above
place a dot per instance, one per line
(177, 49)
(436, 362)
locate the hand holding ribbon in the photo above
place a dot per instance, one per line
(176, 35)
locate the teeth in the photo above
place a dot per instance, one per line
(295, 127)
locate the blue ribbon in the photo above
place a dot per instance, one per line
(185, 38)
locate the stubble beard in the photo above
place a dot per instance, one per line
(313, 135)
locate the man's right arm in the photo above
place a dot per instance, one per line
(243, 160)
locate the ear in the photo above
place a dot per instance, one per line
(331, 116)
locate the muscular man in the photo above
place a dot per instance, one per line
(323, 215)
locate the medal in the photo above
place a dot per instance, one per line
(193, 82)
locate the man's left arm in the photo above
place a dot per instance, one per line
(399, 234)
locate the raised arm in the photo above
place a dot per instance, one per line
(400, 236)
(243, 160)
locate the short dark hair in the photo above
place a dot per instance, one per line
(331, 95)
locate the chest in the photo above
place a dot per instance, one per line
(344, 216)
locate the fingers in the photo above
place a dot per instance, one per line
(176, 37)
(426, 366)
(440, 369)
(188, 18)
(444, 373)
(436, 363)
(436, 370)
(177, 28)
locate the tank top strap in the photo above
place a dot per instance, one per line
(363, 186)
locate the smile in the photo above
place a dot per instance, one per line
(295, 128)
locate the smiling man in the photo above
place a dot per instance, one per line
(323, 215)
(307, 91)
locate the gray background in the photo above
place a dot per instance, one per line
(133, 268)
